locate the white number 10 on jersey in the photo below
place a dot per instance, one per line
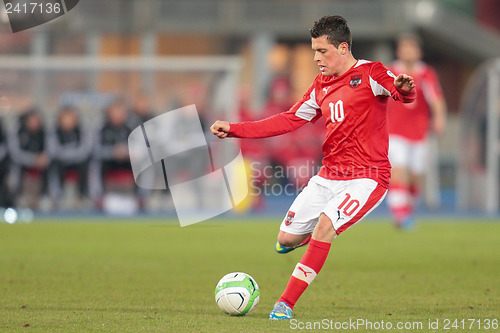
(337, 111)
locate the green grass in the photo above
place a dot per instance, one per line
(152, 276)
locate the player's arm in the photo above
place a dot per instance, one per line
(438, 109)
(434, 96)
(17, 153)
(305, 110)
(276, 125)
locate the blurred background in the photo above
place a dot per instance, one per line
(72, 90)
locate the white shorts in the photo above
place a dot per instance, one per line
(408, 154)
(345, 202)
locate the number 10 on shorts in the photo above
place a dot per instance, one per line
(349, 206)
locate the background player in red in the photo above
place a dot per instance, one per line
(351, 95)
(409, 125)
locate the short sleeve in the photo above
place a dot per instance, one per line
(382, 84)
(430, 86)
(307, 107)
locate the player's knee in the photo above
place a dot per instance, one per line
(288, 240)
(324, 230)
(285, 240)
(399, 175)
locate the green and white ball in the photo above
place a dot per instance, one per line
(237, 294)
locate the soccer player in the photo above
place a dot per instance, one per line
(409, 125)
(6, 199)
(70, 148)
(110, 155)
(30, 159)
(351, 95)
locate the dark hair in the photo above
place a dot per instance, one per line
(31, 111)
(334, 28)
(68, 108)
(409, 36)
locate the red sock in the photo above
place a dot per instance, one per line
(306, 270)
(414, 190)
(414, 194)
(399, 201)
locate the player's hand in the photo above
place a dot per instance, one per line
(220, 129)
(404, 82)
(120, 152)
(438, 124)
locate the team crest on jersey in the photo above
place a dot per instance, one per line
(355, 81)
(289, 218)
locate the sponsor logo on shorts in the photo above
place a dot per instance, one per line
(289, 218)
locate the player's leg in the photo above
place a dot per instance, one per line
(301, 218)
(399, 197)
(55, 180)
(415, 181)
(353, 200)
(414, 188)
(82, 170)
(416, 169)
(289, 242)
(306, 270)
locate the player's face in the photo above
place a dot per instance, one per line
(327, 56)
(68, 120)
(34, 122)
(117, 115)
(408, 50)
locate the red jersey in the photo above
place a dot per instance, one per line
(411, 121)
(354, 108)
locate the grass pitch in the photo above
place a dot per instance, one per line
(153, 276)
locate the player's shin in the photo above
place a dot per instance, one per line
(399, 202)
(306, 270)
(414, 192)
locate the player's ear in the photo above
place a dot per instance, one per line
(343, 48)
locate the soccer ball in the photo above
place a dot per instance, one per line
(237, 294)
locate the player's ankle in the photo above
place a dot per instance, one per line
(286, 302)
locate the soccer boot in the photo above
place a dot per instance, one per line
(408, 223)
(283, 249)
(281, 310)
